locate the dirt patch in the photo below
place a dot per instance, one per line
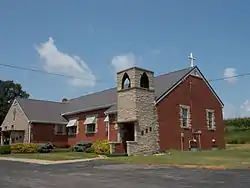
(203, 167)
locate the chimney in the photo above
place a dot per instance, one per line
(64, 100)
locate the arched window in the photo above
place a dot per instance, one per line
(125, 81)
(144, 81)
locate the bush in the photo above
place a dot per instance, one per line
(45, 148)
(82, 146)
(101, 147)
(90, 150)
(5, 150)
(24, 148)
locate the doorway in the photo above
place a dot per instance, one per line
(6, 137)
(128, 134)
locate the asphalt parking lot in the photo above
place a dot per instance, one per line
(98, 174)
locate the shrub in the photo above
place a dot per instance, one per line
(101, 147)
(5, 150)
(90, 150)
(82, 146)
(24, 148)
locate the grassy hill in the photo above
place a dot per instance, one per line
(237, 131)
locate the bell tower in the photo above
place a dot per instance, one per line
(136, 111)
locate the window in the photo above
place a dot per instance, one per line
(146, 130)
(90, 124)
(150, 129)
(91, 128)
(60, 129)
(72, 130)
(72, 126)
(142, 133)
(184, 113)
(210, 119)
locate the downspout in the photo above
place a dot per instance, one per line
(108, 124)
(29, 132)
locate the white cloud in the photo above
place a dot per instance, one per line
(245, 108)
(233, 111)
(230, 111)
(55, 61)
(229, 74)
(124, 61)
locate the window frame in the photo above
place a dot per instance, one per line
(95, 124)
(68, 129)
(211, 125)
(64, 129)
(187, 117)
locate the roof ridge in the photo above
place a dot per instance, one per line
(175, 71)
(93, 93)
(58, 102)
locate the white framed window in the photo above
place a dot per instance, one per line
(60, 129)
(210, 116)
(72, 127)
(185, 116)
(90, 124)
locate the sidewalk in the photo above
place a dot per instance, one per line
(47, 162)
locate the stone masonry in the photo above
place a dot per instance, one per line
(137, 104)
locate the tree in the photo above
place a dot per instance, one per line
(8, 92)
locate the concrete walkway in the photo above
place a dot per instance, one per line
(47, 162)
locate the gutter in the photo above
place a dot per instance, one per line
(87, 109)
(47, 122)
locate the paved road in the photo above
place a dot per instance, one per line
(98, 174)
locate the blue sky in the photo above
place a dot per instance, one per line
(110, 35)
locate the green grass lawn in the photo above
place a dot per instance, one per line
(54, 156)
(235, 156)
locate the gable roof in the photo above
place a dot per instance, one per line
(40, 111)
(53, 112)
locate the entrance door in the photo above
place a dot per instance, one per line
(128, 134)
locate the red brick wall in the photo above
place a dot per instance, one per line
(42, 133)
(113, 132)
(199, 98)
(81, 136)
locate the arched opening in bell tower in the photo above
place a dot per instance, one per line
(144, 82)
(126, 81)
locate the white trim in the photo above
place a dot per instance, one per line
(29, 132)
(188, 116)
(181, 80)
(87, 109)
(213, 126)
(106, 118)
(48, 122)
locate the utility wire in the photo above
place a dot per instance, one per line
(64, 75)
(40, 71)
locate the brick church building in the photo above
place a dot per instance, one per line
(144, 114)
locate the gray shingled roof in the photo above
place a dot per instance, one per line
(47, 111)
(42, 111)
